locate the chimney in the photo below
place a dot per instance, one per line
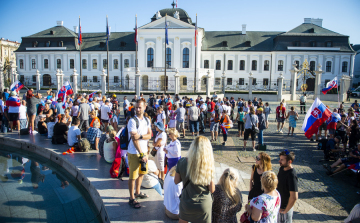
(243, 29)
(75, 29)
(59, 23)
(317, 21)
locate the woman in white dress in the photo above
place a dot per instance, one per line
(159, 144)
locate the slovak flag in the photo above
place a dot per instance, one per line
(316, 116)
(136, 32)
(355, 166)
(13, 101)
(79, 34)
(16, 86)
(330, 85)
(333, 120)
(92, 94)
(65, 90)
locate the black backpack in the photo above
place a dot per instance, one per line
(151, 102)
(322, 144)
(124, 135)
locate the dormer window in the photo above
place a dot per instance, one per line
(296, 43)
(224, 44)
(52, 32)
(122, 44)
(312, 43)
(311, 30)
(248, 43)
(102, 44)
(60, 44)
(47, 43)
(328, 44)
(35, 44)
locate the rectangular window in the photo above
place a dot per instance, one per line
(116, 64)
(266, 65)
(241, 81)
(230, 65)
(312, 65)
(265, 81)
(217, 81)
(95, 79)
(254, 65)
(46, 64)
(184, 81)
(21, 64)
(58, 63)
(344, 66)
(84, 79)
(328, 66)
(105, 63)
(280, 65)
(94, 64)
(218, 65)
(242, 64)
(21, 78)
(229, 81)
(71, 78)
(297, 64)
(116, 79)
(206, 64)
(126, 63)
(33, 64)
(84, 64)
(72, 64)
(254, 81)
(34, 78)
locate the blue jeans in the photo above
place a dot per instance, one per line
(260, 137)
(23, 123)
(286, 218)
(201, 122)
(158, 189)
(194, 126)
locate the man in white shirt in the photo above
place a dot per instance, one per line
(23, 115)
(140, 133)
(74, 133)
(105, 112)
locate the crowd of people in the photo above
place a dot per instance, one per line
(152, 151)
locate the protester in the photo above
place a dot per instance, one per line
(292, 116)
(194, 113)
(303, 103)
(60, 131)
(180, 119)
(74, 133)
(59, 109)
(354, 132)
(202, 116)
(93, 135)
(160, 117)
(265, 208)
(354, 157)
(288, 186)
(68, 117)
(75, 110)
(104, 137)
(240, 117)
(354, 215)
(263, 163)
(23, 115)
(210, 109)
(267, 112)
(173, 149)
(261, 125)
(105, 113)
(83, 115)
(280, 116)
(94, 118)
(172, 194)
(50, 126)
(251, 120)
(13, 103)
(42, 127)
(2, 105)
(137, 152)
(196, 171)
(215, 124)
(159, 144)
(225, 124)
(110, 146)
(172, 117)
(227, 198)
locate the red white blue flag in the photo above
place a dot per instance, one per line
(13, 101)
(92, 94)
(79, 34)
(136, 32)
(333, 120)
(330, 85)
(196, 31)
(16, 86)
(315, 117)
(355, 167)
(65, 90)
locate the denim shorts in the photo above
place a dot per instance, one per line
(214, 127)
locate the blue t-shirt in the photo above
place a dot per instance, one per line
(59, 108)
(6, 95)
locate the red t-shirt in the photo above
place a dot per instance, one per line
(169, 105)
(282, 115)
(212, 104)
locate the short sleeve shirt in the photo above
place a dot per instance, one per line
(142, 130)
(104, 112)
(269, 206)
(254, 120)
(59, 108)
(92, 134)
(160, 117)
(174, 149)
(180, 114)
(84, 111)
(288, 181)
(163, 138)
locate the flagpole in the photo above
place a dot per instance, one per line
(165, 84)
(337, 88)
(195, 53)
(80, 57)
(136, 49)
(107, 54)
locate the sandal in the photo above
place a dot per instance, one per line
(141, 195)
(134, 203)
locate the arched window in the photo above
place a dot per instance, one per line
(280, 65)
(312, 65)
(168, 57)
(186, 58)
(150, 57)
(94, 63)
(266, 65)
(344, 66)
(72, 64)
(242, 64)
(46, 64)
(116, 64)
(126, 63)
(254, 65)
(58, 63)
(21, 64)
(328, 66)
(84, 64)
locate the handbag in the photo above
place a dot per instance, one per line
(254, 128)
(153, 152)
(244, 218)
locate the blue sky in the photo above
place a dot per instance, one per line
(23, 17)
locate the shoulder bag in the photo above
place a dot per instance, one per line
(253, 128)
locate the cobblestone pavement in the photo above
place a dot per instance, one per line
(321, 198)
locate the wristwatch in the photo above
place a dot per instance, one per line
(141, 137)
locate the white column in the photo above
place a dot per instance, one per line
(318, 82)
(13, 73)
(177, 82)
(223, 82)
(294, 73)
(1, 77)
(37, 74)
(250, 86)
(280, 86)
(58, 79)
(177, 53)
(208, 84)
(103, 82)
(137, 82)
(75, 81)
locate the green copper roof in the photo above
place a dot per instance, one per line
(91, 41)
(305, 29)
(170, 12)
(58, 31)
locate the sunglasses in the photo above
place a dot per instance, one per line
(257, 158)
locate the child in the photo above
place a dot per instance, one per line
(50, 127)
(42, 127)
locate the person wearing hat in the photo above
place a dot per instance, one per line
(105, 113)
(159, 143)
(262, 125)
(83, 115)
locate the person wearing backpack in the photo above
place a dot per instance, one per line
(139, 133)
(240, 117)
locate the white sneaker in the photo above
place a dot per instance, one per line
(280, 131)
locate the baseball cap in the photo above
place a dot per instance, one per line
(91, 99)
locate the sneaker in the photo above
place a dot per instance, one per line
(280, 131)
(254, 149)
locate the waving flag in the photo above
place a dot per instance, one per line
(65, 90)
(316, 116)
(332, 121)
(92, 94)
(16, 86)
(330, 85)
(64, 101)
(355, 167)
(136, 33)
(107, 31)
(166, 33)
(13, 101)
(79, 34)
(196, 30)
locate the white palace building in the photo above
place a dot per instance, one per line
(233, 55)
